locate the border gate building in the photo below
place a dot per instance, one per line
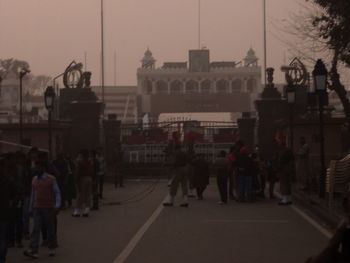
(198, 85)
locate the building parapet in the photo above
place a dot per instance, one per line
(255, 70)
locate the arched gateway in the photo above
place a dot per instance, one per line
(198, 85)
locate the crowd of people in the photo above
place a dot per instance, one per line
(242, 175)
(31, 186)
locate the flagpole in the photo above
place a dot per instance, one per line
(102, 56)
(115, 68)
(265, 52)
(199, 24)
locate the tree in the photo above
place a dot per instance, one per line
(36, 85)
(33, 84)
(333, 26)
(12, 66)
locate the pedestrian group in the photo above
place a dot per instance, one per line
(31, 186)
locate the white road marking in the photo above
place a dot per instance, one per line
(138, 236)
(248, 221)
(315, 224)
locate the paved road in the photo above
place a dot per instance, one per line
(204, 232)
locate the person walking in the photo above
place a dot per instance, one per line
(15, 170)
(271, 168)
(45, 205)
(7, 198)
(302, 165)
(60, 168)
(32, 157)
(190, 170)
(201, 175)
(244, 165)
(101, 171)
(84, 174)
(180, 177)
(231, 157)
(285, 173)
(169, 162)
(69, 184)
(221, 165)
(257, 176)
(95, 180)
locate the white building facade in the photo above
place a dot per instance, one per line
(119, 100)
(198, 85)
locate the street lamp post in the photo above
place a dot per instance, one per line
(22, 73)
(290, 92)
(58, 93)
(49, 104)
(320, 79)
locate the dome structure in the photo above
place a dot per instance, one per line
(251, 59)
(148, 61)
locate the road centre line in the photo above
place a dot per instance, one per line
(138, 236)
(248, 221)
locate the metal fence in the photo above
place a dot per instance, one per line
(161, 132)
(156, 153)
(148, 143)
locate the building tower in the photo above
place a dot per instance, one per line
(148, 62)
(251, 60)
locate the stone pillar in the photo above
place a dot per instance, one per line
(85, 129)
(270, 108)
(112, 133)
(199, 86)
(81, 107)
(230, 82)
(245, 85)
(153, 87)
(168, 86)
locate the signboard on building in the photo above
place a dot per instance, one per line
(182, 103)
(199, 60)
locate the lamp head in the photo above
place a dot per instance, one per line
(320, 76)
(23, 72)
(290, 94)
(49, 96)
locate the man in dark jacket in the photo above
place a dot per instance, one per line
(244, 166)
(285, 173)
(201, 175)
(15, 170)
(180, 177)
(7, 198)
(221, 165)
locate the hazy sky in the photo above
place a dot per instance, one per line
(49, 34)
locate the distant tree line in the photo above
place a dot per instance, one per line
(34, 85)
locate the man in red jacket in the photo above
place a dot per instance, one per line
(44, 204)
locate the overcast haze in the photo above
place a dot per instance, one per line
(49, 34)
